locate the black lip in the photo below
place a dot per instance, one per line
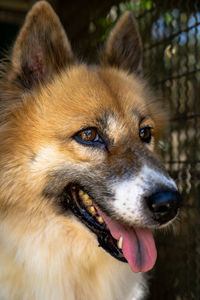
(106, 241)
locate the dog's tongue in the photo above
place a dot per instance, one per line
(138, 244)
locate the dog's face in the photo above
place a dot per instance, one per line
(85, 137)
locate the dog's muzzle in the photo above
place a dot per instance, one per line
(164, 205)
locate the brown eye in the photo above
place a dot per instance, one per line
(145, 134)
(89, 137)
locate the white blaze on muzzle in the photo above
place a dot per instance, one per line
(130, 194)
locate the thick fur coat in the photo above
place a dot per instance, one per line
(64, 123)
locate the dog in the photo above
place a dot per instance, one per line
(82, 186)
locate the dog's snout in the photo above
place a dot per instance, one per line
(164, 205)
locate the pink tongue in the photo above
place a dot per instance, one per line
(138, 244)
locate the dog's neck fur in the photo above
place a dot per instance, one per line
(101, 276)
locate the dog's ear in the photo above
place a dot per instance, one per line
(123, 48)
(42, 48)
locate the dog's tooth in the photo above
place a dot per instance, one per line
(81, 193)
(120, 242)
(87, 201)
(92, 210)
(100, 220)
(85, 197)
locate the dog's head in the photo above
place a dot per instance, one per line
(82, 139)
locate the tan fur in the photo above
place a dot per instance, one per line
(44, 254)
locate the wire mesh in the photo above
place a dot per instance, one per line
(171, 35)
(170, 32)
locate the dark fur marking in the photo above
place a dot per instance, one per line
(123, 49)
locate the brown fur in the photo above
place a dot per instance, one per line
(128, 53)
(45, 99)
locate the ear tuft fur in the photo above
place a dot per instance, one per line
(123, 48)
(42, 48)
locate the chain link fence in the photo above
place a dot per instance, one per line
(171, 35)
(170, 32)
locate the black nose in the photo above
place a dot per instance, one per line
(164, 205)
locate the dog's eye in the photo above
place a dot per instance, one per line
(145, 134)
(89, 136)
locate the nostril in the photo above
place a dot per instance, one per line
(164, 205)
(160, 207)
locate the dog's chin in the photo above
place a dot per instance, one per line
(130, 244)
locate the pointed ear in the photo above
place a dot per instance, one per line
(42, 48)
(123, 48)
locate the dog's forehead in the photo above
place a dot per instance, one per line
(106, 98)
(106, 93)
